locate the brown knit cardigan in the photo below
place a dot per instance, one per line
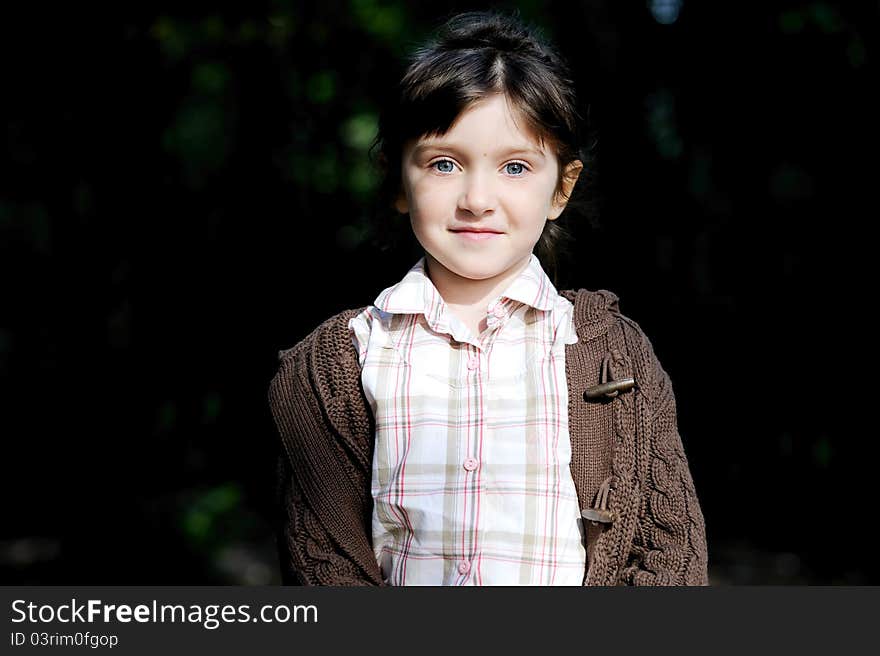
(630, 442)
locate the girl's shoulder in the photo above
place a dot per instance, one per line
(324, 362)
(594, 311)
(327, 336)
(320, 371)
(597, 315)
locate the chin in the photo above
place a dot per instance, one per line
(476, 270)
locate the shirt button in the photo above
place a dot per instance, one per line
(499, 311)
(464, 567)
(473, 363)
(470, 464)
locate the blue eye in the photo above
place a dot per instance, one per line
(518, 170)
(441, 166)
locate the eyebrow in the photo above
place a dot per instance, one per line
(441, 145)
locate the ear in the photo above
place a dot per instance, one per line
(569, 178)
(400, 203)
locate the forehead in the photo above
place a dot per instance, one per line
(493, 118)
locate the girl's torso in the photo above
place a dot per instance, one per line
(471, 477)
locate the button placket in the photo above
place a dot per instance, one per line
(470, 464)
(496, 316)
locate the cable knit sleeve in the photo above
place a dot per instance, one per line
(670, 541)
(322, 490)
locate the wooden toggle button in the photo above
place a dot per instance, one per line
(609, 389)
(598, 515)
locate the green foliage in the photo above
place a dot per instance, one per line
(360, 129)
(381, 19)
(822, 452)
(166, 416)
(321, 87)
(325, 171)
(210, 408)
(203, 512)
(200, 137)
(173, 38)
(821, 17)
(210, 78)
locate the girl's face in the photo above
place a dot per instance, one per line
(479, 195)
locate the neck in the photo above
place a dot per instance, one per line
(458, 291)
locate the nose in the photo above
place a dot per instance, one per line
(478, 194)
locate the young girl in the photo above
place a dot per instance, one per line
(473, 426)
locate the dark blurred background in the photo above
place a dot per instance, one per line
(186, 190)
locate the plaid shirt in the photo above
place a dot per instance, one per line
(470, 481)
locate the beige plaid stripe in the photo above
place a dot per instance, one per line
(471, 482)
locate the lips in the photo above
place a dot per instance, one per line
(476, 234)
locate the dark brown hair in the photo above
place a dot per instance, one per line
(474, 55)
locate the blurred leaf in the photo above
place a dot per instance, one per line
(200, 137)
(360, 130)
(293, 84)
(792, 22)
(855, 51)
(197, 525)
(248, 31)
(325, 174)
(203, 512)
(281, 30)
(213, 29)
(210, 407)
(210, 77)
(826, 17)
(349, 237)
(700, 178)
(298, 168)
(321, 87)
(820, 14)
(83, 199)
(362, 178)
(166, 416)
(822, 452)
(172, 37)
(383, 20)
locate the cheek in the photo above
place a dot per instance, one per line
(431, 198)
(529, 203)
